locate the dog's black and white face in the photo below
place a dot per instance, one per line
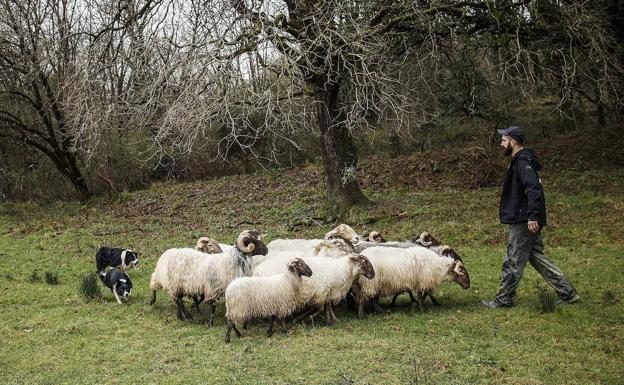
(123, 288)
(118, 282)
(131, 258)
(112, 256)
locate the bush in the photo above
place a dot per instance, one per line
(89, 286)
(546, 300)
(34, 277)
(51, 278)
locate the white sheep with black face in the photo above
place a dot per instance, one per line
(332, 280)
(342, 231)
(192, 273)
(397, 270)
(274, 297)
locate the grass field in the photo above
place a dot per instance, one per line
(52, 335)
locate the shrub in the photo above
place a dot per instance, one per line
(34, 277)
(89, 286)
(51, 278)
(546, 300)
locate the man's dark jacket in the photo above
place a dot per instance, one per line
(522, 198)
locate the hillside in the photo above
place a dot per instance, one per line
(53, 335)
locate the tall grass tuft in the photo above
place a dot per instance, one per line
(34, 277)
(546, 300)
(51, 278)
(89, 286)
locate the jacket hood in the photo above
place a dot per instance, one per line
(530, 156)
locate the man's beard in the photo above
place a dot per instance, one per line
(507, 151)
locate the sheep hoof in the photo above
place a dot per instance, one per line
(210, 324)
(227, 339)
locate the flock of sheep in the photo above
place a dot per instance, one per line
(303, 277)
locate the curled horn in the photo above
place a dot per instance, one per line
(457, 268)
(444, 249)
(240, 242)
(425, 239)
(372, 235)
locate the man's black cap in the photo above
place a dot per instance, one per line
(514, 132)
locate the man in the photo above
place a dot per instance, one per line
(523, 208)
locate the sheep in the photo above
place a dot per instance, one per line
(331, 281)
(374, 236)
(398, 270)
(333, 248)
(189, 272)
(306, 245)
(208, 246)
(275, 296)
(425, 239)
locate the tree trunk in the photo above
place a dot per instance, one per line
(339, 154)
(66, 164)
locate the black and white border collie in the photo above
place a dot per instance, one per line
(112, 256)
(118, 282)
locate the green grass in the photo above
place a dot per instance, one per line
(51, 334)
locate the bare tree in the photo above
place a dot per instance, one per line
(37, 47)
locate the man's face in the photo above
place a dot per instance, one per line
(507, 145)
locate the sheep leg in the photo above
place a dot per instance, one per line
(393, 303)
(179, 312)
(331, 313)
(187, 313)
(271, 323)
(153, 300)
(301, 317)
(182, 312)
(227, 332)
(197, 300)
(378, 308)
(412, 299)
(351, 300)
(212, 309)
(328, 318)
(283, 323)
(230, 326)
(419, 302)
(360, 306)
(433, 300)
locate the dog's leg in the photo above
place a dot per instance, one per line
(115, 292)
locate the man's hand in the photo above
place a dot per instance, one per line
(533, 227)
